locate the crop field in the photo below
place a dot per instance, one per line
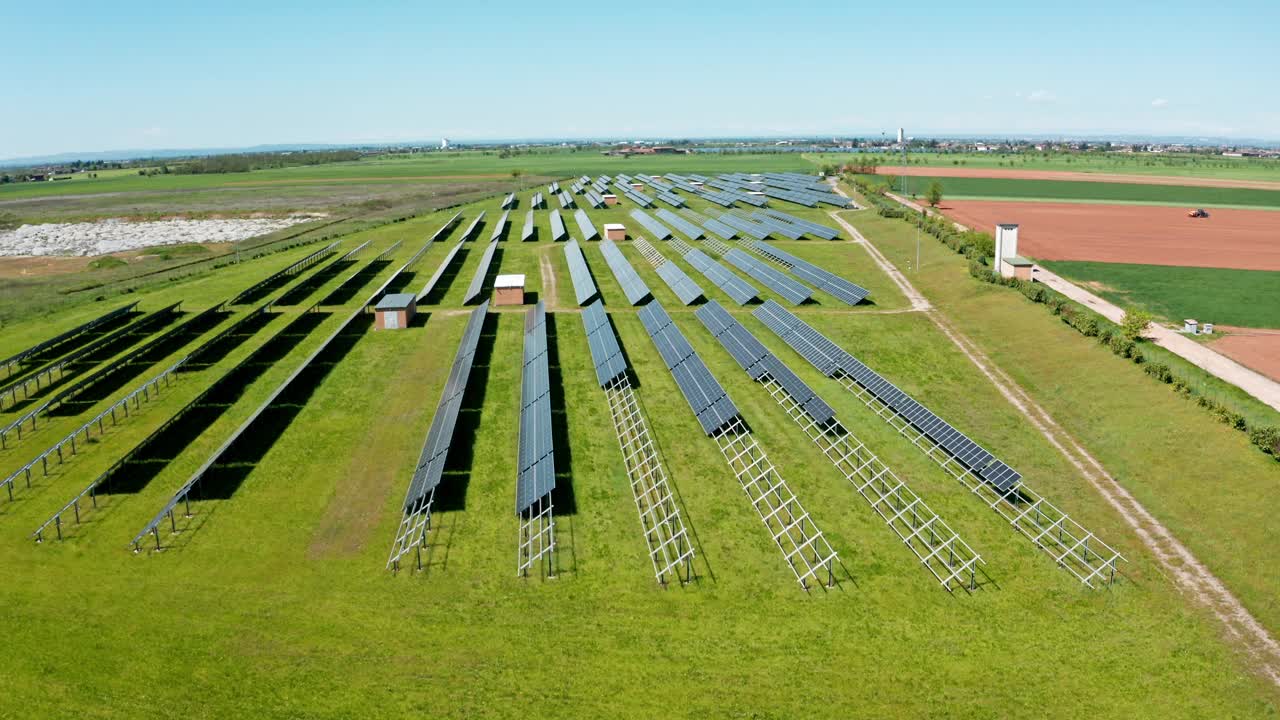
(1094, 192)
(1240, 239)
(1245, 298)
(1195, 167)
(272, 597)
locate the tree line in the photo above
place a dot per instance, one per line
(244, 162)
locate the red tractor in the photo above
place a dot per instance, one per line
(1197, 213)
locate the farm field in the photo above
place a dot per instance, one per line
(1133, 426)
(1100, 176)
(1254, 348)
(1239, 239)
(1177, 165)
(1246, 298)
(273, 599)
(960, 188)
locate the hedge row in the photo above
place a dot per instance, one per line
(978, 248)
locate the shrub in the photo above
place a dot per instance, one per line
(1134, 322)
(1267, 438)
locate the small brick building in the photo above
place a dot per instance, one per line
(395, 311)
(508, 290)
(615, 231)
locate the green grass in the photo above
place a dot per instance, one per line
(1137, 428)
(1169, 164)
(1247, 298)
(274, 602)
(1083, 191)
(108, 262)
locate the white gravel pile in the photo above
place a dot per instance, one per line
(109, 236)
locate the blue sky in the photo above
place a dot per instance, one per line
(100, 76)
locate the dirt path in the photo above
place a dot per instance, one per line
(1188, 574)
(1202, 356)
(918, 301)
(552, 299)
(1014, 174)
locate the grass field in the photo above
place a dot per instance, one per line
(1069, 191)
(1247, 298)
(273, 600)
(1172, 164)
(1134, 426)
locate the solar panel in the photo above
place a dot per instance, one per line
(715, 227)
(529, 228)
(708, 400)
(536, 475)
(501, 227)
(585, 225)
(748, 228)
(812, 228)
(477, 282)
(566, 200)
(606, 354)
(739, 290)
(471, 229)
(584, 287)
(632, 286)
(435, 450)
(831, 360)
(558, 232)
(770, 224)
(688, 229)
(758, 361)
(439, 273)
(680, 283)
(655, 228)
(510, 202)
(828, 282)
(793, 291)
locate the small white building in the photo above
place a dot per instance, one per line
(508, 290)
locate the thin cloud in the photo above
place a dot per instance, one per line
(1159, 102)
(1041, 96)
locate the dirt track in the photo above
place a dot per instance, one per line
(1150, 235)
(967, 172)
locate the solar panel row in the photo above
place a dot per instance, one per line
(793, 291)
(630, 193)
(675, 278)
(477, 283)
(537, 201)
(594, 198)
(510, 202)
(708, 400)
(632, 286)
(553, 188)
(471, 229)
(771, 224)
(831, 360)
(558, 231)
(742, 226)
(812, 228)
(681, 183)
(826, 281)
(435, 450)
(500, 228)
(739, 290)
(715, 227)
(758, 361)
(688, 229)
(529, 228)
(655, 228)
(566, 200)
(439, 273)
(585, 226)
(536, 475)
(584, 287)
(606, 354)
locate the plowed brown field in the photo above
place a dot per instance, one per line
(1141, 234)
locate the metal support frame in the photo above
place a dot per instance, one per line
(537, 541)
(137, 396)
(1070, 545)
(415, 527)
(803, 545)
(939, 548)
(664, 531)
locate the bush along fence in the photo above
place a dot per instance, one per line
(978, 247)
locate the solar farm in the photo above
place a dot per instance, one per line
(716, 445)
